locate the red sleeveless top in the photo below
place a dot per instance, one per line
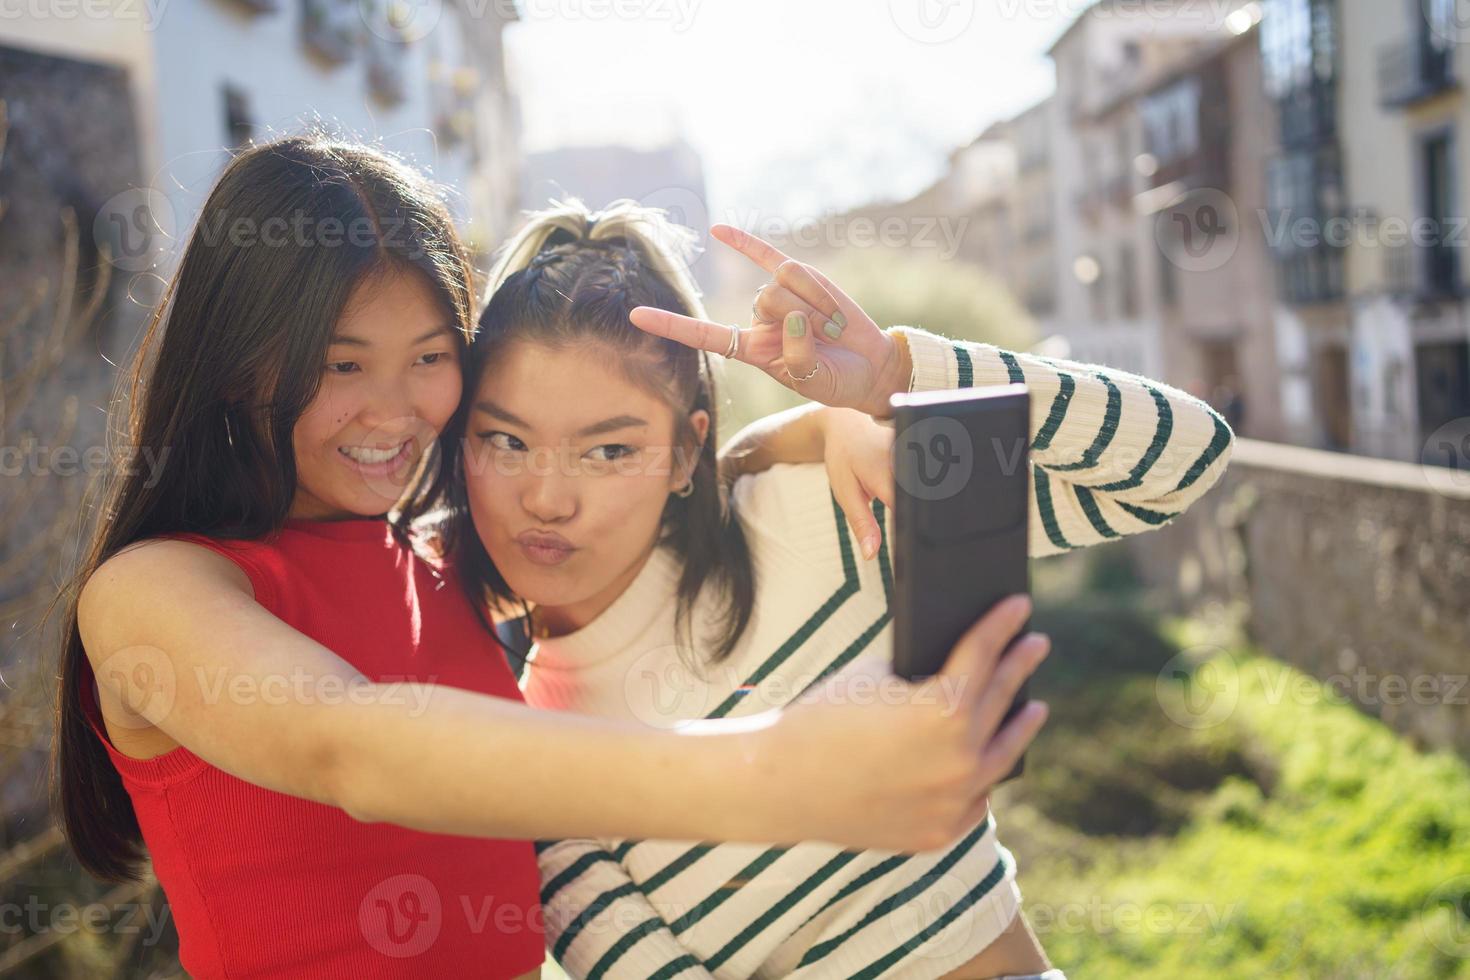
(262, 884)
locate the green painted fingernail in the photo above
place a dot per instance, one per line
(839, 319)
(832, 330)
(796, 324)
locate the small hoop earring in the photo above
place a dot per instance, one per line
(686, 491)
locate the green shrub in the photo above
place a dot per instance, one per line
(1294, 837)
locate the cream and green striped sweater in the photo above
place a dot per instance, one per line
(1113, 454)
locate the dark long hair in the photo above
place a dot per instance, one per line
(571, 276)
(231, 358)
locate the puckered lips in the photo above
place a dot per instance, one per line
(545, 547)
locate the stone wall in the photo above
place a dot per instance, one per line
(1356, 570)
(70, 147)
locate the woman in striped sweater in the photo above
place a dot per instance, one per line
(654, 595)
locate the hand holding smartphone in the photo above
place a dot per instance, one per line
(962, 472)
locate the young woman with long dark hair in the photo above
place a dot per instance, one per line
(273, 687)
(656, 594)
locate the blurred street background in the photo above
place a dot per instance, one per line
(1256, 762)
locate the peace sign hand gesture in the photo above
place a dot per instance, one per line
(804, 332)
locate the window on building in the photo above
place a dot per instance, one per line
(1168, 282)
(239, 120)
(1171, 121)
(1127, 282)
(1443, 385)
(1304, 193)
(1393, 381)
(1440, 25)
(1286, 46)
(1442, 266)
(1299, 64)
(330, 28)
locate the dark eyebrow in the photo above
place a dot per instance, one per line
(351, 341)
(614, 424)
(596, 429)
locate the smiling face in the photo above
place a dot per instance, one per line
(569, 466)
(390, 385)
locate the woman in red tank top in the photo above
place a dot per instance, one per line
(283, 695)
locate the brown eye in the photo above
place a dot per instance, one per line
(503, 441)
(611, 451)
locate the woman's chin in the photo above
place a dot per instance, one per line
(539, 585)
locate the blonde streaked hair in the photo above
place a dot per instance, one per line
(663, 247)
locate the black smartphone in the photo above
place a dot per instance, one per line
(962, 484)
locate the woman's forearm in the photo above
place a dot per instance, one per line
(178, 644)
(792, 436)
(449, 761)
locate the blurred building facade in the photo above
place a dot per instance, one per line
(1000, 186)
(1260, 202)
(1205, 133)
(1403, 113)
(1153, 119)
(1147, 142)
(428, 81)
(1300, 65)
(1369, 221)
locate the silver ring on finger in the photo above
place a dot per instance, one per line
(734, 349)
(805, 377)
(755, 313)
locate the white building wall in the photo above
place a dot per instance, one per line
(1382, 364)
(203, 45)
(1293, 353)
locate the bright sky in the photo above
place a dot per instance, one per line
(797, 106)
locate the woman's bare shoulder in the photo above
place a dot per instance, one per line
(140, 579)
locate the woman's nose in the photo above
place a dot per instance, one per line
(550, 494)
(390, 408)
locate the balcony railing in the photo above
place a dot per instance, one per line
(1308, 115)
(1423, 272)
(1310, 274)
(1410, 72)
(1441, 272)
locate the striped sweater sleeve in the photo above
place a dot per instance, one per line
(1112, 453)
(599, 924)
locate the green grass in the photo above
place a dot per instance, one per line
(1265, 832)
